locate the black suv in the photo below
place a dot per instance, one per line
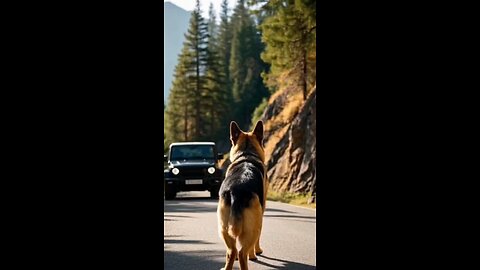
(192, 166)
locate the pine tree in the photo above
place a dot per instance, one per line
(198, 103)
(246, 65)
(189, 87)
(212, 26)
(178, 117)
(225, 44)
(197, 41)
(290, 36)
(217, 98)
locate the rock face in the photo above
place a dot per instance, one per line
(290, 142)
(291, 157)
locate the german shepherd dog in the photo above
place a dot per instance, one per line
(242, 196)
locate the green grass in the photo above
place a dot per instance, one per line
(291, 198)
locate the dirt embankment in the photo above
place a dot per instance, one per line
(290, 142)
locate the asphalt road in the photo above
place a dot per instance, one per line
(191, 239)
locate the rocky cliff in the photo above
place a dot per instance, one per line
(290, 141)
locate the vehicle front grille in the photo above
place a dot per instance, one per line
(193, 172)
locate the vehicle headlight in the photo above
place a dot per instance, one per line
(211, 170)
(175, 171)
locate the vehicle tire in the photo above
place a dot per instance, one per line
(170, 194)
(214, 193)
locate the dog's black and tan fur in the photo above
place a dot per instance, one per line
(242, 196)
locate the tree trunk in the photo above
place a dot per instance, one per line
(213, 119)
(197, 92)
(185, 121)
(304, 74)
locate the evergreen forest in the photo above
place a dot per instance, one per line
(230, 66)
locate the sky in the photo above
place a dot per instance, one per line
(189, 5)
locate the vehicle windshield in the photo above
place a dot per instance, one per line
(192, 152)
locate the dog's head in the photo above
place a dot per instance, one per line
(249, 142)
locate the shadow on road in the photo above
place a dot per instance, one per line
(198, 260)
(194, 199)
(168, 215)
(190, 209)
(277, 210)
(177, 241)
(308, 219)
(287, 264)
(207, 260)
(290, 216)
(205, 205)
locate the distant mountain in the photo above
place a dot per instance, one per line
(175, 26)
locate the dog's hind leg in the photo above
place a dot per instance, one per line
(231, 250)
(247, 242)
(223, 214)
(258, 250)
(250, 232)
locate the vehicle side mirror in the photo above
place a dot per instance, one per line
(165, 158)
(219, 156)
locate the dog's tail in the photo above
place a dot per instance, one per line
(235, 219)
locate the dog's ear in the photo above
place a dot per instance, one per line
(234, 132)
(258, 131)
